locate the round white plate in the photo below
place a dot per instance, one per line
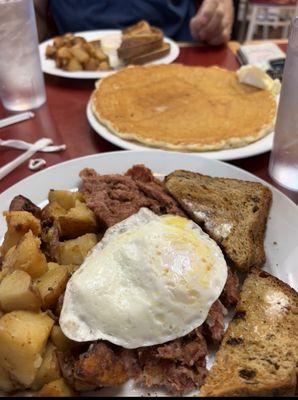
(49, 65)
(282, 230)
(261, 146)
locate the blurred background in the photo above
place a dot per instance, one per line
(261, 19)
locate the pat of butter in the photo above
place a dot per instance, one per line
(110, 45)
(255, 76)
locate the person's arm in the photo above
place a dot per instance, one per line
(41, 8)
(213, 22)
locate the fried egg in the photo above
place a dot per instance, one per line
(151, 279)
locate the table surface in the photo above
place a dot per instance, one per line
(63, 119)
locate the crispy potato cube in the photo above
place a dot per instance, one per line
(50, 243)
(104, 66)
(77, 221)
(51, 285)
(57, 388)
(51, 51)
(65, 198)
(58, 41)
(60, 340)
(26, 256)
(6, 383)
(18, 223)
(80, 54)
(74, 251)
(17, 293)
(49, 370)
(70, 268)
(89, 48)
(23, 336)
(100, 55)
(64, 53)
(73, 65)
(53, 265)
(91, 65)
(79, 40)
(52, 211)
(68, 36)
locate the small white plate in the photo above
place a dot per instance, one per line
(49, 66)
(261, 146)
(282, 229)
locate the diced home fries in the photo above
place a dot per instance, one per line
(36, 264)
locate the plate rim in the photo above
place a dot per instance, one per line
(97, 74)
(102, 131)
(174, 153)
(128, 389)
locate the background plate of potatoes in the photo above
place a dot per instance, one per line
(78, 55)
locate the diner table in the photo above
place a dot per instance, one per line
(63, 119)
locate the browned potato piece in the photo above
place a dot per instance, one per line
(92, 65)
(18, 223)
(57, 388)
(73, 65)
(51, 285)
(23, 336)
(51, 51)
(6, 384)
(58, 41)
(74, 251)
(61, 341)
(77, 221)
(17, 293)
(104, 65)
(80, 54)
(65, 198)
(50, 243)
(64, 52)
(53, 211)
(49, 370)
(26, 256)
(69, 36)
(89, 48)
(70, 268)
(100, 55)
(79, 40)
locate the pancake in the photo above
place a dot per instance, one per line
(183, 108)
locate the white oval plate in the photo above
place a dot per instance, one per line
(49, 65)
(282, 231)
(261, 146)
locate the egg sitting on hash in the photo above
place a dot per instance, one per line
(151, 279)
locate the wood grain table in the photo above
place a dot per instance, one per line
(63, 118)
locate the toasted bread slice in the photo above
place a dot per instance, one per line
(233, 212)
(137, 45)
(153, 55)
(140, 27)
(259, 351)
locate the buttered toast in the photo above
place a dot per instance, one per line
(259, 352)
(233, 212)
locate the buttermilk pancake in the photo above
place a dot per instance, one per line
(183, 108)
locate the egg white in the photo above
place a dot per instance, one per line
(149, 280)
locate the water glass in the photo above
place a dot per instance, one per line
(21, 78)
(283, 166)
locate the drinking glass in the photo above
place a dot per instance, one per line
(283, 165)
(21, 78)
